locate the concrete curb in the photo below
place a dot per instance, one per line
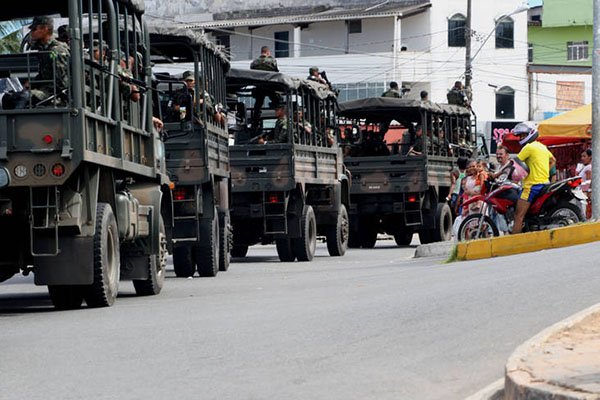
(524, 383)
(439, 249)
(528, 242)
(494, 391)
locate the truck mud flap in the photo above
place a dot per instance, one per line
(72, 266)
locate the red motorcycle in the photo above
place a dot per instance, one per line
(556, 206)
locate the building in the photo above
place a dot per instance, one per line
(418, 43)
(560, 56)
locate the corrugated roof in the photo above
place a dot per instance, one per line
(304, 15)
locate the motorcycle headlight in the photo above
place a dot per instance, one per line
(4, 178)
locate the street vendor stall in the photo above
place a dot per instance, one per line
(567, 135)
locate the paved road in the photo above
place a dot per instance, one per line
(375, 324)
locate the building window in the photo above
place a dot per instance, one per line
(355, 26)
(282, 44)
(505, 37)
(577, 51)
(529, 52)
(361, 90)
(456, 31)
(505, 103)
(224, 41)
(569, 95)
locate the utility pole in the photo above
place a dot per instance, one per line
(596, 114)
(468, 70)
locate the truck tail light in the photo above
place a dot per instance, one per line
(58, 170)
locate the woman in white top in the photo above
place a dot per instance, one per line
(586, 175)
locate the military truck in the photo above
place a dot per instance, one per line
(400, 154)
(287, 176)
(197, 142)
(84, 195)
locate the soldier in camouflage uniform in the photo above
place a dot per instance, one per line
(56, 55)
(393, 91)
(265, 62)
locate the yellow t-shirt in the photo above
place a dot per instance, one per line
(537, 157)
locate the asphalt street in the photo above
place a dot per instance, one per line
(375, 324)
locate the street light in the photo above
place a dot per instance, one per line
(469, 60)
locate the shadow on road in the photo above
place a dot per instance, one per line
(23, 303)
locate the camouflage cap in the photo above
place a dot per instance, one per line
(313, 69)
(41, 21)
(96, 44)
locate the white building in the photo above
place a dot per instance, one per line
(418, 43)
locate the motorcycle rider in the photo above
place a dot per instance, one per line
(539, 160)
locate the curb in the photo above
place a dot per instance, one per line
(522, 383)
(494, 391)
(439, 249)
(528, 242)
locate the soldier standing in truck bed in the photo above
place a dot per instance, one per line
(56, 55)
(393, 91)
(265, 62)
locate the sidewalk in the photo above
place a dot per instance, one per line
(560, 363)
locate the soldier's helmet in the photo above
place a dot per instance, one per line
(311, 70)
(188, 76)
(41, 21)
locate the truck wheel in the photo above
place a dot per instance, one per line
(239, 251)
(403, 238)
(225, 241)
(337, 235)
(157, 266)
(183, 262)
(285, 251)
(103, 292)
(368, 234)
(66, 297)
(207, 253)
(443, 223)
(305, 246)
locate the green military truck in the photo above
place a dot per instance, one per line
(287, 176)
(400, 154)
(197, 142)
(84, 195)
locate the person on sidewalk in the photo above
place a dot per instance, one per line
(539, 160)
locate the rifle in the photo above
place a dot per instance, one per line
(132, 81)
(324, 76)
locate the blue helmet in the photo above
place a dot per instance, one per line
(529, 130)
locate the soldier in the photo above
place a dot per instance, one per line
(457, 95)
(416, 148)
(315, 76)
(424, 95)
(265, 62)
(280, 132)
(393, 91)
(56, 56)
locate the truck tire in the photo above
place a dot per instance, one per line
(285, 250)
(443, 226)
(207, 253)
(443, 223)
(103, 291)
(403, 238)
(239, 251)
(337, 235)
(66, 297)
(157, 266)
(305, 246)
(224, 241)
(183, 262)
(368, 234)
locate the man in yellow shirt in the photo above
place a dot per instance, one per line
(539, 160)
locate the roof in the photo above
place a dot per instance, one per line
(306, 15)
(576, 123)
(171, 43)
(239, 78)
(384, 106)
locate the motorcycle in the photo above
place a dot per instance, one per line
(556, 206)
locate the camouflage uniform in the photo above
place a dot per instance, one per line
(265, 63)
(280, 133)
(392, 93)
(54, 52)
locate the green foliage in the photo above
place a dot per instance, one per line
(11, 43)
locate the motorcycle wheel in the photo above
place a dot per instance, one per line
(468, 228)
(565, 214)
